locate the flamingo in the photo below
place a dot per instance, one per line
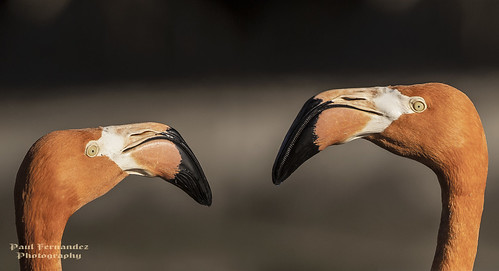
(64, 170)
(432, 123)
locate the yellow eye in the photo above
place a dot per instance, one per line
(92, 150)
(418, 105)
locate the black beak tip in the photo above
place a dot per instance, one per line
(299, 143)
(205, 197)
(277, 174)
(277, 181)
(195, 186)
(190, 177)
(206, 201)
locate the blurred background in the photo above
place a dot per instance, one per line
(231, 76)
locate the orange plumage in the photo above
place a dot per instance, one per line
(59, 175)
(432, 123)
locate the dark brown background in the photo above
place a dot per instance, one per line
(231, 76)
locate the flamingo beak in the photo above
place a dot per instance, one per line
(166, 155)
(329, 118)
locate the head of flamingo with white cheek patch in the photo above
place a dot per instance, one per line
(153, 150)
(339, 116)
(64, 170)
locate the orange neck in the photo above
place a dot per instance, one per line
(462, 205)
(40, 231)
(41, 217)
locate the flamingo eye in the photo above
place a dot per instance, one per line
(92, 150)
(418, 105)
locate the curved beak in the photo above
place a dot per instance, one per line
(329, 118)
(165, 154)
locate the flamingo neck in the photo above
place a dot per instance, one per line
(462, 205)
(40, 232)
